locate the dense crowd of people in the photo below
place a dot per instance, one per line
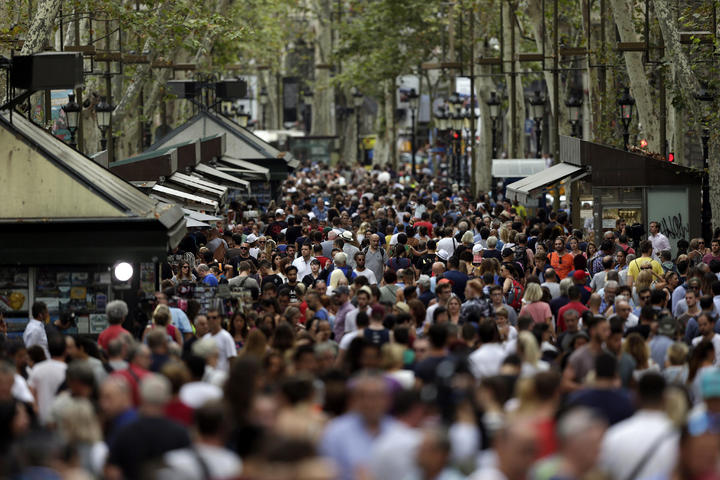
(367, 325)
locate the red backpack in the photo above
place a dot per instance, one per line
(515, 294)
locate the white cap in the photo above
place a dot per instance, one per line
(477, 248)
(443, 254)
(251, 238)
(279, 211)
(347, 235)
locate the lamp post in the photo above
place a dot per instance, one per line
(358, 99)
(413, 99)
(242, 116)
(626, 103)
(263, 103)
(103, 111)
(537, 109)
(72, 116)
(706, 98)
(441, 120)
(307, 105)
(493, 104)
(574, 105)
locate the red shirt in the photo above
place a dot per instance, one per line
(323, 261)
(178, 411)
(577, 306)
(133, 374)
(110, 334)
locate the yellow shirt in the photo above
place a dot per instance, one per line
(635, 265)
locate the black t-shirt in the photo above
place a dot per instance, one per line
(274, 278)
(293, 233)
(491, 253)
(426, 370)
(145, 439)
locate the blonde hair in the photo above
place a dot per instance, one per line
(392, 356)
(677, 353)
(77, 422)
(644, 280)
(533, 293)
(528, 348)
(161, 315)
(636, 347)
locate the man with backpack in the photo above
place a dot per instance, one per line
(375, 256)
(523, 255)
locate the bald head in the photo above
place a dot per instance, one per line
(550, 274)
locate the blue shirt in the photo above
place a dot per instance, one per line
(658, 349)
(180, 320)
(348, 443)
(210, 280)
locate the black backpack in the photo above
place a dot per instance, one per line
(521, 256)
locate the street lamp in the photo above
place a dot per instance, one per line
(72, 116)
(626, 103)
(493, 104)
(706, 97)
(574, 105)
(307, 105)
(263, 103)
(242, 116)
(413, 100)
(103, 110)
(537, 110)
(358, 100)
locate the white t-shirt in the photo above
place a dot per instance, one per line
(220, 462)
(351, 318)
(196, 394)
(486, 360)
(367, 273)
(45, 379)
(347, 339)
(20, 390)
(226, 348)
(448, 244)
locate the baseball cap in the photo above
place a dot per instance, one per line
(579, 275)
(279, 211)
(443, 254)
(507, 252)
(666, 326)
(341, 289)
(477, 248)
(403, 307)
(251, 238)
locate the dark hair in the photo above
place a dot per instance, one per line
(487, 331)
(362, 320)
(56, 345)
(605, 366)
(438, 335)
(210, 418)
(651, 388)
(38, 308)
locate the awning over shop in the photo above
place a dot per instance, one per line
(199, 186)
(59, 206)
(529, 186)
(202, 217)
(168, 194)
(220, 175)
(249, 168)
(517, 167)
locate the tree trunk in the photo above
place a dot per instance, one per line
(639, 84)
(41, 26)
(323, 116)
(515, 147)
